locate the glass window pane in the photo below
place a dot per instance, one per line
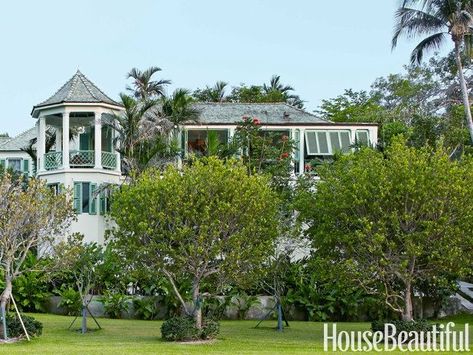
(362, 137)
(311, 143)
(335, 142)
(345, 139)
(14, 164)
(85, 197)
(196, 141)
(323, 144)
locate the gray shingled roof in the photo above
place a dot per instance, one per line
(267, 113)
(20, 141)
(78, 89)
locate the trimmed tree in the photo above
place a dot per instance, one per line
(209, 220)
(31, 214)
(393, 221)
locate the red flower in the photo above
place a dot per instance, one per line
(307, 167)
(284, 155)
(256, 121)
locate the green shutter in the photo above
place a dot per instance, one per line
(3, 164)
(26, 166)
(102, 206)
(93, 199)
(77, 196)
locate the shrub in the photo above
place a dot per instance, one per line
(179, 329)
(70, 301)
(183, 329)
(146, 307)
(115, 303)
(33, 327)
(210, 329)
(30, 292)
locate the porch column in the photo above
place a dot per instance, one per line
(301, 150)
(58, 145)
(98, 140)
(41, 140)
(65, 140)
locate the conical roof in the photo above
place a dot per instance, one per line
(78, 89)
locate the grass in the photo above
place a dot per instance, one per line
(143, 337)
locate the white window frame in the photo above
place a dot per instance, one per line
(367, 131)
(328, 137)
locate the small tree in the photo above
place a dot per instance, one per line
(393, 222)
(210, 219)
(81, 261)
(30, 216)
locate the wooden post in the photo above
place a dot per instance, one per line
(19, 317)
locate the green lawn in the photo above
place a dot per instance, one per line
(143, 337)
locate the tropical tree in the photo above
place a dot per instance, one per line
(31, 215)
(210, 220)
(144, 87)
(393, 221)
(215, 93)
(81, 262)
(435, 20)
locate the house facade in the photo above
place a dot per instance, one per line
(74, 147)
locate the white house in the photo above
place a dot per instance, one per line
(76, 150)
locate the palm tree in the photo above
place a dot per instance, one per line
(178, 108)
(435, 21)
(130, 137)
(276, 85)
(143, 86)
(215, 93)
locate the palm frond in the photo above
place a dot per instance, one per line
(430, 43)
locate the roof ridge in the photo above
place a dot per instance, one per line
(85, 81)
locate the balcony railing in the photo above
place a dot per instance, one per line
(52, 160)
(81, 158)
(109, 160)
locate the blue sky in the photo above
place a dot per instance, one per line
(319, 47)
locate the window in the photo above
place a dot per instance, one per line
(105, 202)
(54, 188)
(323, 142)
(198, 141)
(362, 137)
(14, 164)
(85, 199)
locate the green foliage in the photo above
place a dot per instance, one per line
(31, 292)
(146, 307)
(115, 303)
(179, 329)
(211, 218)
(392, 220)
(184, 329)
(210, 329)
(15, 329)
(244, 302)
(31, 288)
(70, 302)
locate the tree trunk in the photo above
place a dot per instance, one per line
(408, 310)
(84, 319)
(6, 294)
(197, 304)
(464, 90)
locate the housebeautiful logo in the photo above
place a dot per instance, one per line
(443, 337)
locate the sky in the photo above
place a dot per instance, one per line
(319, 47)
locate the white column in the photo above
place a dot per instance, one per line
(58, 144)
(293, 158)
(41, 142)
(98, 140)
(301, 150)
(65, 140)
